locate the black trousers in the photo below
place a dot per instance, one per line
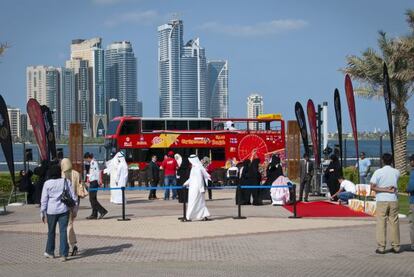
(257, 197)
(304, 186)
(96, 206)
(152, 193)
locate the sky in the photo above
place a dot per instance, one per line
(286, 51)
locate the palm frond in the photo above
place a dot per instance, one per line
(3, 47)
(410, 19)
(386, 45)
(369, 92)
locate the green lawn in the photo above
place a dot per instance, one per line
(404, 203)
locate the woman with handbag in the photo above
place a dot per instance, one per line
(58, 198)
(78, 189)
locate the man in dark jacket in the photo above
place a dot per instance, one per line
(153, 176)
(306, 173)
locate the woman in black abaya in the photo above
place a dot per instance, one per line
(273, 171)
(243, 194)
(332, 174)
(183, 173)
(254, 178)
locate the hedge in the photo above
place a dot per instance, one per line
(351, 173)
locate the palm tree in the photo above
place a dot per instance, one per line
(398, 54)
(3, 47)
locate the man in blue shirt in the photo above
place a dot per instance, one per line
(410, 190)
(364, 168)
(384, 183)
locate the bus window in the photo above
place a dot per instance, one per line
(184, 152)
(130, 127)
(143, 155)
(200, 124)
(177, 124)
(151, 125)
(203, 152)
(113, 125)
(217, 154)
(276, 125)
(240, 125)
(159, 152)
(218, 126)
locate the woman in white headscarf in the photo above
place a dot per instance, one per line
(196, 209)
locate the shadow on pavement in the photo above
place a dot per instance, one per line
(138, 201)
(406, 248)
(116, 216)
(6, 213)
(106, 250)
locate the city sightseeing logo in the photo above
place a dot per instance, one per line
(128, 142)
(157, 140)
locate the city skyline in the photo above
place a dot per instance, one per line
(288, 52)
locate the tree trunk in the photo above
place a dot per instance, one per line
(401, 119)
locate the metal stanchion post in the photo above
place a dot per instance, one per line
(294, 203)
(123, 206)
(184, 217)
(238, 192)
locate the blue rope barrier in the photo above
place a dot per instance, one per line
(183, 219)
(181, 187)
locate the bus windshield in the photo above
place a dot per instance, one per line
(112, 127)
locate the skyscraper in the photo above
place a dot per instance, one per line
(194, 97)
(170, 44)
(114, 109)
(254, 108)
(121, 76)
(42, 84)
(81, 73)
(183, 77)
(91, 51)
(67, 99)
(23, 125)
(14, 117)
(218, 87)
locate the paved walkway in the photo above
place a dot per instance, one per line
(155, 243)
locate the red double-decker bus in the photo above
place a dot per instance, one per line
(217, 138)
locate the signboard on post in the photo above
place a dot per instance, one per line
(76, 146)
(293, 149)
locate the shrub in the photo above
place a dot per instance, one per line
(403, 183)
(351, 174)
(6, 183)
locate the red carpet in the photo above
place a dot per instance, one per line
(323, 209)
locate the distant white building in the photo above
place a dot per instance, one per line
(254, 108)
(42, 84)
(218, 86)
(81, 76)
(14, 117)
(91, 52)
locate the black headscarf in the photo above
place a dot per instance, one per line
(55, 172)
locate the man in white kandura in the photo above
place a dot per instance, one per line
(117, 168)
(196, 209)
